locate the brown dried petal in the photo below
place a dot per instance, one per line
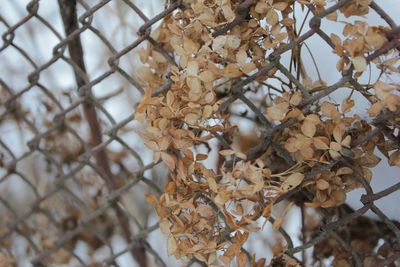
(394, 159)
(275, 113)
(322, 184)
(191, 118)
(321, 143)
(292, 181)
(172, 245)
(280, 6)
(207, 76)
(359, 63)
(296, 99)
(308, 128)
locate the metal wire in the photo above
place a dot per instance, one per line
(92, 159)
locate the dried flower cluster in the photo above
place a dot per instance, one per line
(209, 213)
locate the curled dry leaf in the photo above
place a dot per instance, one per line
(321, 143)
(292, 181)
(322, 184)
(347, 105)
(359, 63)
(308, 128)
(168, 160)
(227, 152)
(275, 113)
(172, 245)
(394, 159)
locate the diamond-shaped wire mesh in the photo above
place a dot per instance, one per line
(69, 169)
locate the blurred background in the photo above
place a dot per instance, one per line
(49, 183)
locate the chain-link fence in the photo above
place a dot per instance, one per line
(71, 177)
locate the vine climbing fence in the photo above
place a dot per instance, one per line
(75, 172)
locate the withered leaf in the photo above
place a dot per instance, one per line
(292, 181)
(172, 245)
(321, 142)
(168, 160)
(308, 128)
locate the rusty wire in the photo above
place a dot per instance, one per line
(94, 155)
